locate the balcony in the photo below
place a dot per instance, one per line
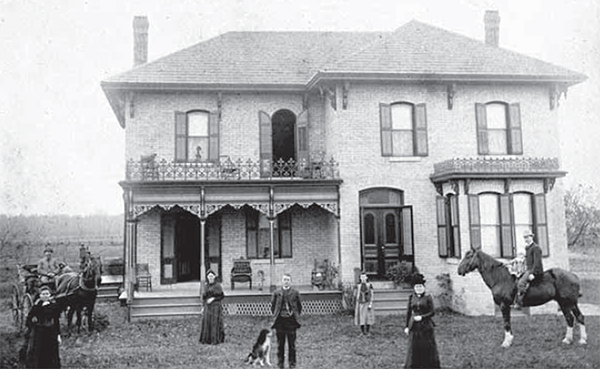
(150, 169)
(546, 169)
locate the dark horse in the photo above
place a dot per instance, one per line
(79, 291)
(556, 284)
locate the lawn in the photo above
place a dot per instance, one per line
(323, 342)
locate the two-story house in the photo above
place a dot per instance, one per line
(362, 148)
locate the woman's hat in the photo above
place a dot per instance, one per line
(527, 233)
(210, 271)
(48, 249)
(418, 278)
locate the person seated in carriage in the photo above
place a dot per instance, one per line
(534, 267)
(47, 268)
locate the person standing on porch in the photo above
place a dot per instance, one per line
(364, 315)
(286, 308)
(213, 331)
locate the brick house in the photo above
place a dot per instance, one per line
(365, 149)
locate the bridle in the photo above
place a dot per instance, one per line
(472, 260)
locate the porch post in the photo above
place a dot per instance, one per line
(272, 254)
(130, 244)
(271, 218)
(202, 256)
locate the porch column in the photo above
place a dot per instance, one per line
(202, 256)
(272, 253)
(130, 245)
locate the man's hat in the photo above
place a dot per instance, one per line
(48, 249)
(527, 233)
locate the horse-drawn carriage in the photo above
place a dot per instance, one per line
(77, 291)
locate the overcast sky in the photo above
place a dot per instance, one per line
(63, 150)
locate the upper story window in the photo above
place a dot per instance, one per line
(498, 129)
(403, 129)
(196, 136)
(499, 220)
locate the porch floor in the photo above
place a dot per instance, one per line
(184, 289)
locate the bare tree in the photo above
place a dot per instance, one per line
(583, 217)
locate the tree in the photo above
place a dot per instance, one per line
(583, 218)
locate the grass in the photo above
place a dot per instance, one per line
(323, 342)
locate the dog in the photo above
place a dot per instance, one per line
(261, 350)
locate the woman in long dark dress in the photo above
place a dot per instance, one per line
(43, 332)
(422, 349)
(212, 320)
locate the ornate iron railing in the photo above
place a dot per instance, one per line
(486, 166)
(150, 169)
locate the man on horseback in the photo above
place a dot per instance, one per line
(533, 262)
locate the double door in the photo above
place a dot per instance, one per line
(387, 239)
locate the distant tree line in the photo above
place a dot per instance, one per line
(583, 217)
(19, 234)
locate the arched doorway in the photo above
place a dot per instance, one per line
(283, 126)
(386, 230)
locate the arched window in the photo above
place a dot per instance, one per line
(498, 128)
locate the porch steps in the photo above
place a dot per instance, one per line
(388, 299)
(109, 289)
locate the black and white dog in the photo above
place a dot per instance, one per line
(261, 350)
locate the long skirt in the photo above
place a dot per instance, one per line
(42, 348)
(422, 349)
(213, 331)
(363, 315)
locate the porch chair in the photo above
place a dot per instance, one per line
(149, 167)
(319, 273)
(241, 272)
(144, 279)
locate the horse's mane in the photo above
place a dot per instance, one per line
(488, 262)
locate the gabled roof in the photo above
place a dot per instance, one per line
(294, 58)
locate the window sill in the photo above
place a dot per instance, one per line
(399, 159)
(452, 261)
(268, 261)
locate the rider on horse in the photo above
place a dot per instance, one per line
(533, 262)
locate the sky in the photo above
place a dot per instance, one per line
(62, 149)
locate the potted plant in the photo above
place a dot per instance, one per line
(401, 274)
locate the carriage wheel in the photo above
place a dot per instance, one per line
(25, 309)
(16, 315)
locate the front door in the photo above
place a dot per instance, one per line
(381, 246)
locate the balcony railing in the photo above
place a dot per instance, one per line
(499, 166)
(150, 169)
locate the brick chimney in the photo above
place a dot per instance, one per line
(140, 40)
(492, 27)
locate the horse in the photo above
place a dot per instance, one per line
(79, 291)
(556, 284)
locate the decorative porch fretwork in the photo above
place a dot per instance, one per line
(141, 209)
(331, 207)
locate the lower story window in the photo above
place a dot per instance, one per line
(258, 236)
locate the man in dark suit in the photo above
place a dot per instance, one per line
(286, 308)
(533, 263)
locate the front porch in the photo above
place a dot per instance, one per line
(183, 299)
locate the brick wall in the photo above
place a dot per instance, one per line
(352, 137)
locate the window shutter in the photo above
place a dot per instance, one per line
(482, 134)
(515, 139)
(454, 224)
(442, 226)
(506, 237)
(421, 148)
(213, 137)
(385, 118)
(266, 143)
(302, 151)
(406, 215)
(541, 223)
(475, 223)
(180, 136)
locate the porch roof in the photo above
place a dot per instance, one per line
(203, 198)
